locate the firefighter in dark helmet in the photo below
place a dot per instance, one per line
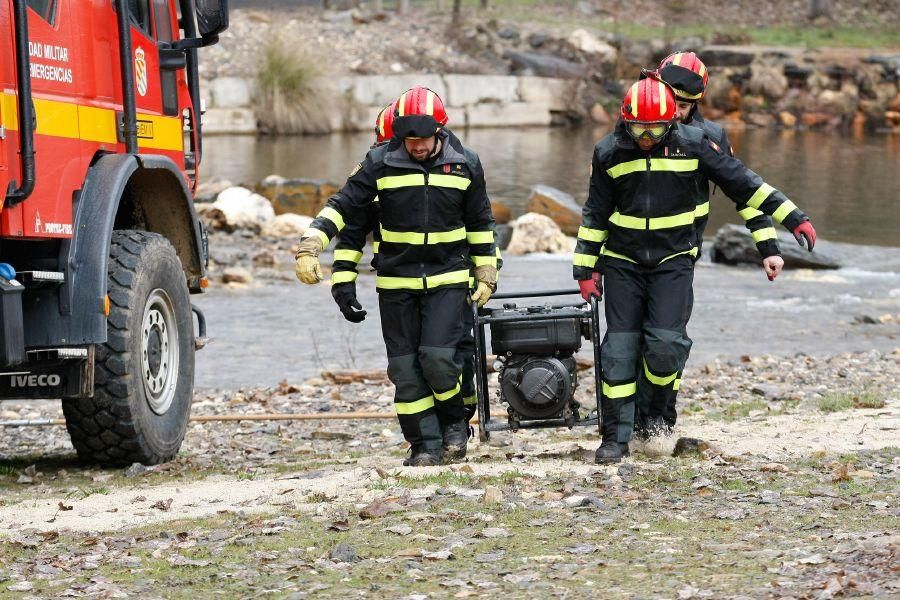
(638, 230)
(435, 223)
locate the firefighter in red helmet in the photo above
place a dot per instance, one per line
(436, 225)
(638, 230)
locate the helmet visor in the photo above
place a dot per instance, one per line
(653, 131)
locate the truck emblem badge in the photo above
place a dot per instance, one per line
(140, 71)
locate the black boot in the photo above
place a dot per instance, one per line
(420, 456)
(610, 452)
(456, 438)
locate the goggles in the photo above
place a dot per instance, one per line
(653, 131)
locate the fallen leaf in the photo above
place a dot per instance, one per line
(339, 526)
(64, 507)
(379, 508)
(163, 505)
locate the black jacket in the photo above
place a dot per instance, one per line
(434, 219)
(759, 223)
(642, 206)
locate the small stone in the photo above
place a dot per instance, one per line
(136, 469)
(492, 495)
(236, 275)
(343, 552)
(769, 497)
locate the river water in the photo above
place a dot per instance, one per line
(849, 186)
(282, 330)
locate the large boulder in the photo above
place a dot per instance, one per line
(502, 213)
(537, 233)
(508, 114)
(299, 196)
(229, 120)
(545, 65)
(767, 80)
(288, 225)
(231, 92)
(240, 208)
(589, 44)
(208, 191)
(556, 204)
(734, 245)
(465, 90)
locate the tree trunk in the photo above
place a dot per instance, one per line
(484, 3)
(457, 10)
(819, 8)
(402, 6)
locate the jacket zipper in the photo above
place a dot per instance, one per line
(425, 227)
(647, 211)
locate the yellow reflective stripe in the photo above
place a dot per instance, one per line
(90, 123)
(402, 237)
(702, 210)
(401, 104)
(399, 283)
(749, 213)
(446, 395)
(760, 195)
(416, 283)
(481, 261)
(702, 70)
(429, 103)
(592, 235)
(677, 385)
(584, 260)
(784, 210)
(414, 408)
(333, 216)
(606, 252)
(470, 400)
(619, 391)
(448, 278)
(662, 98)
(686, 96)
(692, 252)
(675, 165)
(318, 233)
(761, 235)
(634, 100)
(676, 60)
(376, 245)
(658, 380)
(679, 220)
(625, 168)
(418, 239)
(449, 181)
(399, 181)
(629, 222)
(443, 237)
(343, 277)
(353, 256)
(480, 237)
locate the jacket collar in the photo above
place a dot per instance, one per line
(452, 151)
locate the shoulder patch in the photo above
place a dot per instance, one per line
(356, 169)
(715, 146)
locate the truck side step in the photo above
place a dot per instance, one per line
(41, 278)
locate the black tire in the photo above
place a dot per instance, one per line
(142, 388)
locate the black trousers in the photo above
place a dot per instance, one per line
(466, 351)
(422, 333)
(646, 344)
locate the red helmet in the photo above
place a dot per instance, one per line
(384, 124)
(419, 112)
(686, 74)
(649, 108)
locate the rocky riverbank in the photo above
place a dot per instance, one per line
(510, 71)
(788, 494)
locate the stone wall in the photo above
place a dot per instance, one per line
(474, 100)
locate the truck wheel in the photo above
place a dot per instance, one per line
(144, 373)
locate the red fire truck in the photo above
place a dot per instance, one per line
(100, 245)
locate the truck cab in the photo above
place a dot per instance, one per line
(100, 245)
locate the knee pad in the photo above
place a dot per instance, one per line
(440, 367)
(619, 356)
(406, 375)
(666, 351)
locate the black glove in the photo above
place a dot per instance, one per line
(345, 296)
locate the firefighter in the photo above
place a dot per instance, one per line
(435, 221)
(348, 253)
(688, 77)
(638, 230)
